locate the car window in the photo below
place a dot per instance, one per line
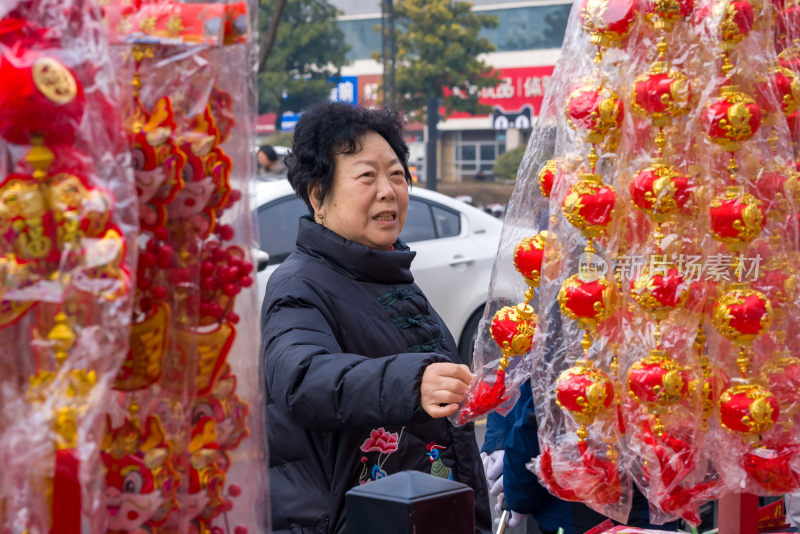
(419, 222)
(277, 227)
(448, 222)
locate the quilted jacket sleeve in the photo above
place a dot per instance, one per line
(320, 386)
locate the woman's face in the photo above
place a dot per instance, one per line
(368, 200)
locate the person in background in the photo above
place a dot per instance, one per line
(267, 159)
(361, 371)
(517, 488)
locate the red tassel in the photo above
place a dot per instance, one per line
(66, 494)
(486, 398)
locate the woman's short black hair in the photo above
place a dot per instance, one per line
(325, 130)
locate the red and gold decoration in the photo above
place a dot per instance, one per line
(671, 159)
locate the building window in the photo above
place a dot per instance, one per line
(476, 151)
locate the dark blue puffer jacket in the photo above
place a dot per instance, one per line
(347, 336)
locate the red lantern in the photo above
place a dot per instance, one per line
(737, 22)
(657, 379)
(547, 177)
(660, 292)
(528, 257)
(587, 302)
(748, 408)
(40, 96)
(732, 118)
(782, 375)
(772, 187)
(660, 191)
(586, 392)
(742, 314)
(781, 87)
(736, 217)
(595, 112)
(589, 205)
(513, 327)
(772, 469)
(660, 95)
(607, 21)
(667, 12)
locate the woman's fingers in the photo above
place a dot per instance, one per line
(444, 386)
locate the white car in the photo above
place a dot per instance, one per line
(455, 245)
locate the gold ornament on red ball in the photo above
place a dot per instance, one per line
(748, 408)
(736, 217)
(742, 315)
(737, 22)
(607, 21)
(547, 176)
(782, 83)
(512, 329)
(588, 302)
(528, 257)
(660, 94)
(660, 191)
(594, 112)
(660, 292)
(665, 13)
(731, 118)
(586, 392)
(658, 380)
(589, 205)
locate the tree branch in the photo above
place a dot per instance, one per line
(268, 39)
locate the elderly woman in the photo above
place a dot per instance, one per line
(360, 370)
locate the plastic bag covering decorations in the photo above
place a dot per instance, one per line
(67, 229)
(178, 453)
(662, 180)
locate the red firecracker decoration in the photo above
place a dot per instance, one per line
(587, 302)
(589, 205)
(661, 291)
(660, 191)
(528, 257)
(731, 118)
(586, 392)
(660, 95)
(741, 315)
(547, 177)
(594, 112)
(658, 380)
(40, 96)
(748, 408)
(607, 21)
(736, 217)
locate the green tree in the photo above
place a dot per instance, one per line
(437, 48)
(308, 49)
(507, 164)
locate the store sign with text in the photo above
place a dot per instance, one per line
(515, 100)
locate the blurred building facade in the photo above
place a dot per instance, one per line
(528, 41)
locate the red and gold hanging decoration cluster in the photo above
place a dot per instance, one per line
(66, 242)
(666, 178)
(125, 392)
(177, 390)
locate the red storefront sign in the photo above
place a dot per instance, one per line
(519, 88)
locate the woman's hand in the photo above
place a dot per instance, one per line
(444, 386)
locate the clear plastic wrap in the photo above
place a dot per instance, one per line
(67, 229)
(185, 447)
(662, 168)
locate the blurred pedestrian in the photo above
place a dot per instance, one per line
(361, 371)
(267, 159)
